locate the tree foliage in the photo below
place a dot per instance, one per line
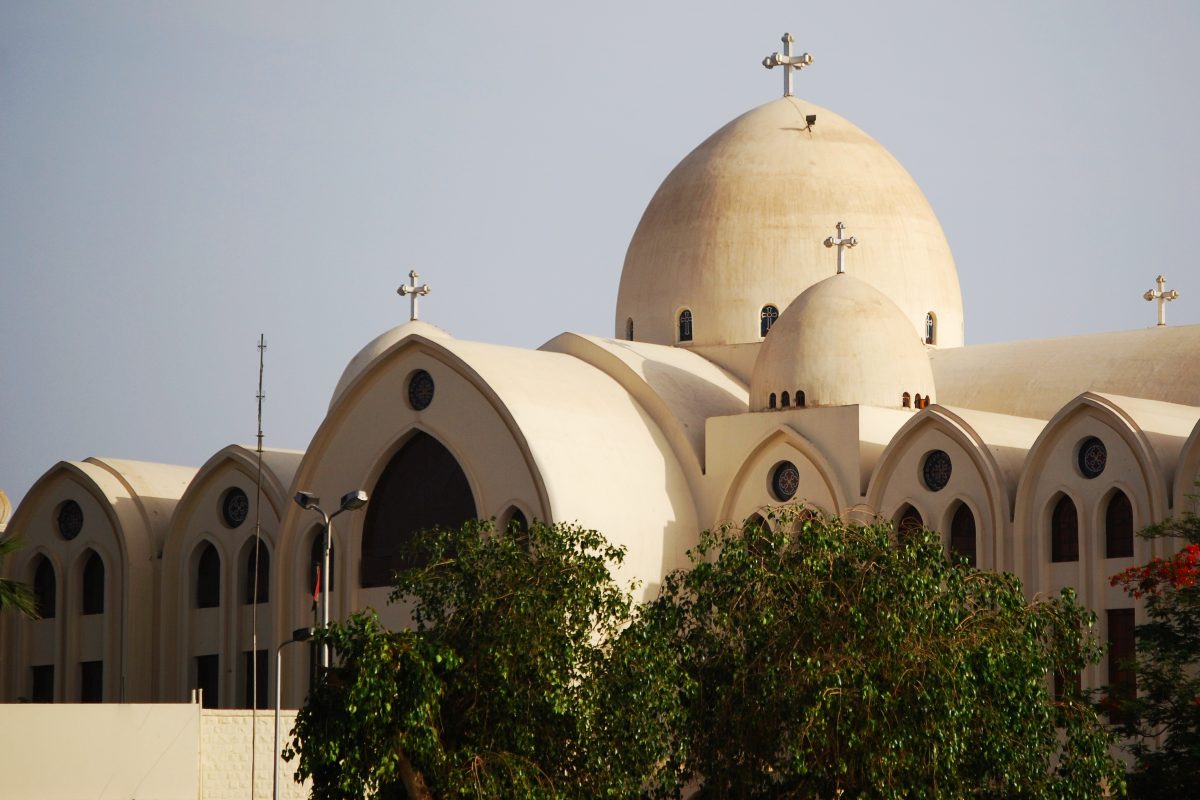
(832, 660)
(1162, 721)
(512, 682)
(15, 595)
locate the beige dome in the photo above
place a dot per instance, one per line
(841, 343)
(740, 222)
(377, 346)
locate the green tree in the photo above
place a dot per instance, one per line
(514, 681)
(828, 660)
(14, 594)
(1161, 721)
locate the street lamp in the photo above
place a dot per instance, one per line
(349, 502)
(298, 635)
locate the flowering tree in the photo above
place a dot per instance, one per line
(1162, 722)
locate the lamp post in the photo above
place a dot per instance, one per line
(349, 502)
(298, 635)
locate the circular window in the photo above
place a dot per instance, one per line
(420, 390)
(785, 480)
(235, 506)
(936, 470)
(1093, 456)
(70, 519)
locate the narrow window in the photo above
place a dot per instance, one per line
(930, 328)
(93, 585)
(42, 678)
(254, 676)
(629, 329)
(799, 399)
(909, 521)
(917, 401)
(208, 674)
(771, 401)
(685, 325)
(766, 319)
(91, 681)
(785, 400)
(258, 574)
(1118, 527)
(1067, 685)
(517, 523)
(1121, 650)
(1064, 531)
(208, 577)
(962, 534)
(45, 587)
(906, 400)
(756, 522)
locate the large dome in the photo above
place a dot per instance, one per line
(841, 343)
(739, 225)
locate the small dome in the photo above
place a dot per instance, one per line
(738, 226)
(840, 343)
(377, 346)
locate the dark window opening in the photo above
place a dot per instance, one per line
(45, 588)
(1064, 531)
(93, 585)
(254, 674)
(799, 399)
(42, 680)
(1118, 527)
(1122, 678)
(785, 400)
(91, 681)
(629, 329)
(906, 400)
(422, 487)
(909, 522)
(208, 674)
(962, 534)
(1068, 685)
(208, 577)
(771, 401)
(767, 318)
(930, 328)
(258, 574)
(517, 523)
(685, 325)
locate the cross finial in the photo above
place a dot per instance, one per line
(1163, 297)
(413, 291)
(842, 244)
(788, 62)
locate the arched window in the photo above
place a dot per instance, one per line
(1118, 527)
(909, 521)
(516, 521)
(785, 400)
(771, 401)
(1064, 531)
(906, 400)
(422, 487)
(45, 588)
(766, 319)
(917, 401)
(257, 587)
(685, 325)
(208, 577)
(962, 534)
(93, 585)
(757, 522)
(799, 399)
(629, 329)
(930, 328)
(316, 556)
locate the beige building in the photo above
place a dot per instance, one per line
(744, 370)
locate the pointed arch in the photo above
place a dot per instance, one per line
(207, 576)
(1064, 530)
(757, 460)
(963, 534)
(1118, 525)
(45, 587)
(255, 571)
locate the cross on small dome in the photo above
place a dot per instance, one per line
(788, 62)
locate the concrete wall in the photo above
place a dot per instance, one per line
(138, 752)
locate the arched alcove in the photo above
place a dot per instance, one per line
(1064, 531)
(1118, 526)
(208, 577)
(962, 534)
(422, 487)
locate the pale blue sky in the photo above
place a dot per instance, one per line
(176, 178)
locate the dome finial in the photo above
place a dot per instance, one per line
(413, 290)
(842, 244)
(1163, 295)
(788, 62)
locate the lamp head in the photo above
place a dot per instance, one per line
(306, 499)
(353, 500)
(302, 634)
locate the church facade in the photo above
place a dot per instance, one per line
(788, 329)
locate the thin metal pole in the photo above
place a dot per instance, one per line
(325, 589)
(278, 700)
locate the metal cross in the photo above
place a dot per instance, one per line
(788, 62)
(413, 291)
(842, 244)
(1163, 297)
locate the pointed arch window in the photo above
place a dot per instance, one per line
(962, 534)
(685, 325)
(1064, 531)
(766, 318)
(257, 588)
(909, 521)
(208, 577)
(930, 328)
(93, 585)
(629, 329)
(45, 588)
(785, 400)
(1118, 526)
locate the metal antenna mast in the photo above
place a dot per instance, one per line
(262, 346)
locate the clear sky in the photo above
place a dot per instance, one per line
(176, 178)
